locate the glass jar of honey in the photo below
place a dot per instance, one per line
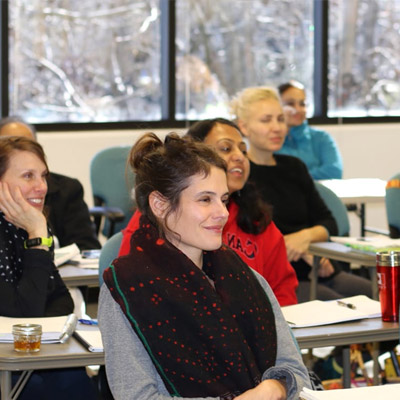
(27, 337)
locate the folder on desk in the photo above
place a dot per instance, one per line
(90, 339)
(317, 312)
(54, 329)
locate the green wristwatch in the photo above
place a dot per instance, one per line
(39, 241)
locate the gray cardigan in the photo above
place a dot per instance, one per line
(132, 375)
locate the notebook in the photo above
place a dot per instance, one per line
(91, 339)
(55, 329)
(317, 312)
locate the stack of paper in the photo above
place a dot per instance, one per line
(361, 393)
(317, 312)
(64, 254)
(370, 244)
(72, 255)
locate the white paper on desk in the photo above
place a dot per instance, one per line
(317, 312)
(383, 392)
(54, 329)
(64, 254)
(368, 244)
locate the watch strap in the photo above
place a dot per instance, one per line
(39, 241)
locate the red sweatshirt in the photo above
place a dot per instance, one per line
(265, 253)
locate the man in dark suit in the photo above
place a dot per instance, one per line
(68, 214)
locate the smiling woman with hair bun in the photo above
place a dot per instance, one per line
(181, 315)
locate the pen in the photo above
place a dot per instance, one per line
(88, 321)
(344, 304)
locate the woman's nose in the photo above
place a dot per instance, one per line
(222, 211)
(41, 185)
(238, 155)
(277, 125)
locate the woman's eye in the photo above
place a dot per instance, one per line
(28, 175)
(205, 199)
(225, 200)
(224, 149)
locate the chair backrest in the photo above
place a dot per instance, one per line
(108, 253)
(112, 182)
(392, 200)
(337, 208)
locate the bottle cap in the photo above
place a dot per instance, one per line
(388, 258)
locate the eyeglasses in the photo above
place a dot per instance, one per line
(293, 103)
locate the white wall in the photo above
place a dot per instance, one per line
(368, 150)
(69, 153)
(372, 151)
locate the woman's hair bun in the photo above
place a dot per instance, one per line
(146, 145)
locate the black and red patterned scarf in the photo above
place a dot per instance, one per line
(203, 340)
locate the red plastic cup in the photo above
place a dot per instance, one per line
(388, 270)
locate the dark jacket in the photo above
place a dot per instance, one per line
(68, 216)
(30, 285)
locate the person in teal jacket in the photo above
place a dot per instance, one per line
(316, 148)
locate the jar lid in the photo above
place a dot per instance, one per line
(27, 329)
(388, 258)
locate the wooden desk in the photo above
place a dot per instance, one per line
(345, 334)
(75, 276)
(70, 354)
(340, 252)
(358, 191)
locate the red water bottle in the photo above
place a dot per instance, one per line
(388, 270)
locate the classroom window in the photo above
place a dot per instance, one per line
(84, 61)
(226, 45)
(117, 60)
(364, 58)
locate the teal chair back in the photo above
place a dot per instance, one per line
(392, 200)
(109, 252)
(337, 208)
(112, 183)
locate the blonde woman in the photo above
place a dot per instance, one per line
(284, 182)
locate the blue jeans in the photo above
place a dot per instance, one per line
(58, 384)
(342, 284)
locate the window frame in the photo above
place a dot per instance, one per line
(168, 28)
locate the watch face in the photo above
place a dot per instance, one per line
(34, 242)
